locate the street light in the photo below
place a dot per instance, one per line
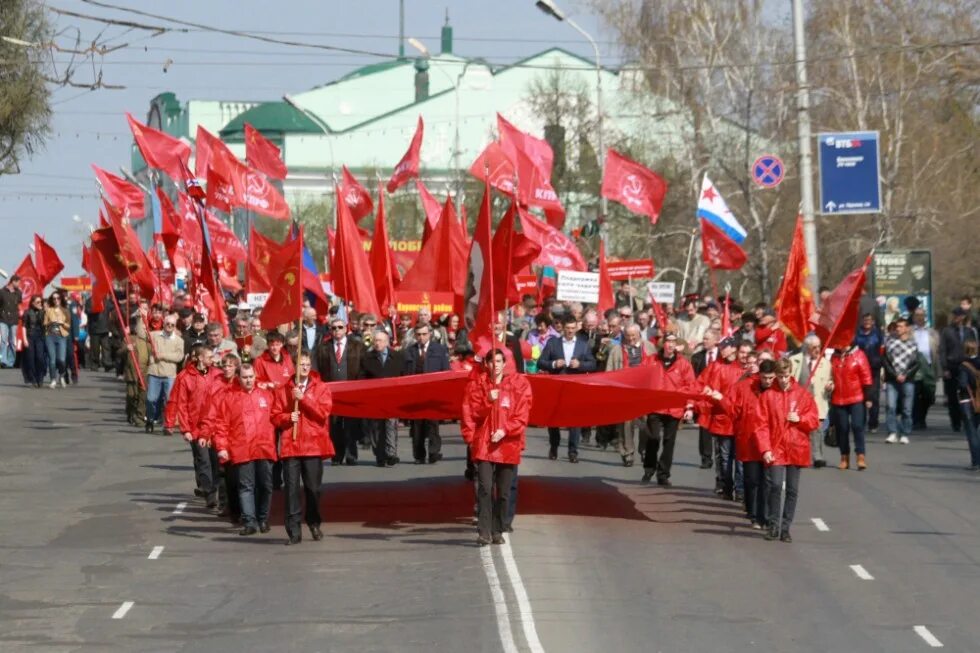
(550, 8)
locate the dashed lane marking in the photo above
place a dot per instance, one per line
(122, 610)
(929, 638)
(861, 572)
(155, 553)
(820, 524)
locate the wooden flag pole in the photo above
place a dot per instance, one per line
(299, 326)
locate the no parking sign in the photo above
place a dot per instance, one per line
(768, 171)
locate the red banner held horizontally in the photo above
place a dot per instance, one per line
(640, 268)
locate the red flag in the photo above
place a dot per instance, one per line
(86, 259)
(794, 304)
(122, 254)
(357, 198)
(533, 160)
(431, 207)
(213, 153)
(350, 272)
(440, 266)
(221, 192)
(494, 164)
(606, 299)
(262, 154)
(30, 283)
(46, 261)
(170, 231)
(408, 167)
(209, 280)
(537, 150)
(224, 242)
(517, 252)
(285, 303)
(718, 250)
(159, 149)
(479, 304)
(192, 240)
(263, 252)
(836, 321)
(254, 192)
(101, 284)
(122, 195)
(557, 250)
(634, 186)
(383, 269)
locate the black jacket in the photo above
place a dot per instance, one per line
(34, 322)
(371, 367)
(553, 351)
(436, 358)
(10, 300)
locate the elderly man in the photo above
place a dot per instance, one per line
(633, 352)
(259, 342)
(339, 359)
(217, 343)
(813, 373)
(702, 358)
(422, 357)
(310, 333)
(382, 362)
(166, 352)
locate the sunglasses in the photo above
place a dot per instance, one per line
(370, 324)
(338, 328)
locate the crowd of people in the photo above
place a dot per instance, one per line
(255, 405)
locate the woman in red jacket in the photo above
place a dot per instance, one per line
(786, 415)
(245, 437)
(305, 407)
(496, 407)
(850, 397)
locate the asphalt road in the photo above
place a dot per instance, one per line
(598, 562)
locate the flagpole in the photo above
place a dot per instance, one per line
(123, 324)
(299, 323)
(687, 266)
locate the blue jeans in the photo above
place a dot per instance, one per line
(574, 436)
(157, 393)
(7, 351)
(255, 491)
(848, 419)
(971, 426)
(32, 360)
(57, 354)
(726, 458)
(894, 390)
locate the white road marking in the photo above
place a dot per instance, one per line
(499, 601)
(180, 507)
(930, 639)
(523, 603)
(123, 609)
(155, 553)
(861, 572)
(820, 524)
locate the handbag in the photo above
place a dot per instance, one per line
(830, 437)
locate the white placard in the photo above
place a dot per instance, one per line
(661, 292)
(578, 286)
(256, 299)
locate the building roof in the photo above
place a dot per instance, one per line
(272, 119)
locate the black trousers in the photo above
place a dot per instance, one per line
(309, 469)
(776, 475)
(705, 446)
(925, 397)
(755, 474)
(229, 474)
(205, 467)
(345, 433)
(494, 482)
(950, 387)
(875, 409)
(422, 430)
(99, 351)
(662, 428)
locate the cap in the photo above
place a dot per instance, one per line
(244, 306)
(670, 336)
(199, 317)
(728, 342)
(712, 304)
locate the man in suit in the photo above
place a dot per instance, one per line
(338, 358)
(706, 355)
(421, 357)
(382, 362)
(566, 355)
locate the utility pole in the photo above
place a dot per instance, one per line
(806, 156)
(401, 29)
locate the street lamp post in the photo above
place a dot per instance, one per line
(550, 8)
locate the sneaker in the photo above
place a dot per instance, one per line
(54, 384)
(892, 438)
(646, 477)
(904, 439)
(61, 382)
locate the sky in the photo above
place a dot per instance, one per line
(89, 126)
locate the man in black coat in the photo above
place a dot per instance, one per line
(566, 355)
(339, 358)
(421, 357)
(382, 362)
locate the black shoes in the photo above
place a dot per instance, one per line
(294, 539)
(391, 462)
(573, 457)
(351, 462)
(263, 527)
(498, 539)
(739, 497)
(316, 533)
(785, 537)
(434, 458)
(817, 464)
(212, 501)
(148, 426)
(627, 461)
(469, 474)
(248, 530)
(771, 534)
(646, 477)
(553, 453)
(663, 482)
(379, 463)
(420, 461)
(706, 464)
(198, 492)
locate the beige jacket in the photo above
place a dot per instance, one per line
(58, 316)
(169, 353)
(818, 385)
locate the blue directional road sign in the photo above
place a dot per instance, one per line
(850, 180)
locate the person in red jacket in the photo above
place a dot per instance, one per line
(850, 398)
(677, 375)
(741, 404)
(188, 408)
(786, 415)
(496, 407)
(224, 379)
(245, 437)
(716, 381)
(305, 407)
(274, 369)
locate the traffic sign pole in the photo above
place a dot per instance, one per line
(806, 156)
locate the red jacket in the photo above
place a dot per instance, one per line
(243, 425)
(851, 373)
(788, 441)
(772, 339)
(510, 412)
(188, 404)
(719, 376)
(313, 434)
(741, 404)
(678, 377)
(269, 371)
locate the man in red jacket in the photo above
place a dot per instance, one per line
(786, 415)
(188, 407)
(496, 407)
(303, 409)
(244, 436)
(677, 375)
(273, 368)
(717, 380)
